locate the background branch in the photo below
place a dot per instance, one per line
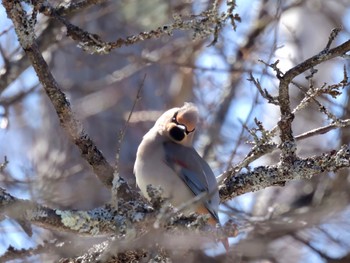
(70, 124)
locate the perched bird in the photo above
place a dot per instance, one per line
(166, 158)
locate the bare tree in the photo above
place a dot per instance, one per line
(82, 81)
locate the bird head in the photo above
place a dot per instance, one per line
(179, 124)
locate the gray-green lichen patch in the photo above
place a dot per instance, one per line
(26, 28)
(80, 221)
(32, 214)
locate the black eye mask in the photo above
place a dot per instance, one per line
(177, 133)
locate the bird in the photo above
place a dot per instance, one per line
(166, 158)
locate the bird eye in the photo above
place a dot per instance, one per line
(174, 120)
(177, 133)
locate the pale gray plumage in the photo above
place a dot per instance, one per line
(167, 159)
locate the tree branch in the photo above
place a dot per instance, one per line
(265, 176)
(205, 24)
(19, 254)
(73, 127)
(96, 222)
(285, 124)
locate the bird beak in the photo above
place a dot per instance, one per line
(182, 127)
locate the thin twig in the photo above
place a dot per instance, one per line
(261, 23)
(123, 130)
(309, 244)
(323, 130)
(4, 164)
(332, 36)
(264, 93)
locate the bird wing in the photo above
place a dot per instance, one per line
(195, 172)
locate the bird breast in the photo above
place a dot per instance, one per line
(160, 175)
